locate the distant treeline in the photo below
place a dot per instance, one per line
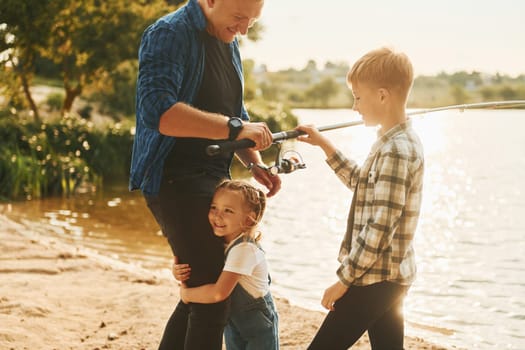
(313, 87)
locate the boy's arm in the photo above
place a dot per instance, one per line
(346, 169)
(211, 293)
(388, 204)
(314, 137)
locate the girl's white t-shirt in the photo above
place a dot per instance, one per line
(249, 261)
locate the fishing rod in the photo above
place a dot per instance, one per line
(294, 162)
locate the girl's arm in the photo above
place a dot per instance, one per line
(211, 293)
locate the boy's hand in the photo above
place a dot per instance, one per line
(181, 272)
(314, 137)
(332, 294)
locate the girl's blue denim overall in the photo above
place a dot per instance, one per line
(253, 322)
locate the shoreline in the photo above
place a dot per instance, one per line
(55, 295)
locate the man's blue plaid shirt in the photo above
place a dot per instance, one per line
(171, 66)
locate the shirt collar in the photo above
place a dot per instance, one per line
(196, 15)
(383, 138)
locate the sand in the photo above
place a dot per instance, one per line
(55, 295)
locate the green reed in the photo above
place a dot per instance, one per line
(61, 157)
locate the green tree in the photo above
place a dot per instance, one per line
(322, 91)
(507, 92)
(487, 93)
(255, 33)
(311, 66)
(459, 94)
(86, 39)
(250, 86)
(24, 30)
(91, 38)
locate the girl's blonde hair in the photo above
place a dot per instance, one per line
(254, 198)
(384, 68)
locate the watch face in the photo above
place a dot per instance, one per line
(235, 122)
(235, 126)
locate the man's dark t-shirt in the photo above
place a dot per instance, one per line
(220, 92)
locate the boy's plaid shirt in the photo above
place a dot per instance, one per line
(378, 242)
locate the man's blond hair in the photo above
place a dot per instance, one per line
(384, 68)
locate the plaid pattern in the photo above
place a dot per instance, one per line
(171, 67)
(378, 243)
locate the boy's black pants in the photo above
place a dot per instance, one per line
(377, 308)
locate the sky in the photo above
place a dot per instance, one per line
(439, 35)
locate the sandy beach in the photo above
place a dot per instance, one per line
(59, 296)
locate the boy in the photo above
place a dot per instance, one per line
(376, 255)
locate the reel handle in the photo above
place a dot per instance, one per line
(229, 146)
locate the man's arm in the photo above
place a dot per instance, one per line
(183, 120)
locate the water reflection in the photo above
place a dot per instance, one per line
(118, 225)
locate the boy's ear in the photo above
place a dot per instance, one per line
(383, 94)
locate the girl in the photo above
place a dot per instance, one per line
(236, 209)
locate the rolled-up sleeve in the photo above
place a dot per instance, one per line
(346, 169)
(162, 56)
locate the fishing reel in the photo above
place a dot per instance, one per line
(285, 162)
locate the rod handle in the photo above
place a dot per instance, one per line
(229, 146)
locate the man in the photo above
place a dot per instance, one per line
(189, 95)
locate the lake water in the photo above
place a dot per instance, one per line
(470, 244)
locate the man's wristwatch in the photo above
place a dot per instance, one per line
(235, 126)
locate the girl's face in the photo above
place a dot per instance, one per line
(367, 102)
(228, 215)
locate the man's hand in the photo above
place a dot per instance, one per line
(271, 182)
(258, 133)
(332, 294)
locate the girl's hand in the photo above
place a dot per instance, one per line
(181, 272)
(332, 294)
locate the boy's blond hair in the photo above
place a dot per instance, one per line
(384, 68)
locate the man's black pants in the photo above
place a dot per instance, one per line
(181, 209)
